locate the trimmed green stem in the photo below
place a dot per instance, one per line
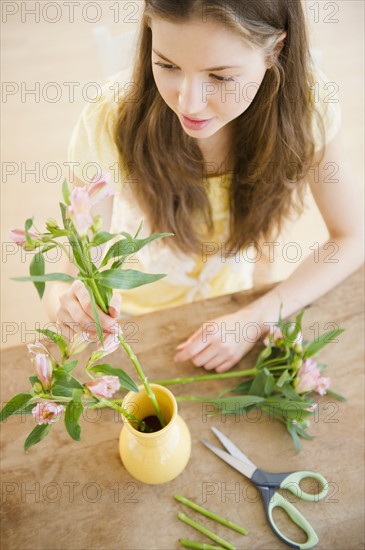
(196, 525)
(211, 515)
(198, 545)
(204, 377)
(143, 378)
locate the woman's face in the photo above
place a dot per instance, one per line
(204, 72)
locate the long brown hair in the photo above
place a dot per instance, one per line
(273, 139)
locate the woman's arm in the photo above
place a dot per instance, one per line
(340, 202)
(341, 206)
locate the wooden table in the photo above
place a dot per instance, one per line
(69, 495)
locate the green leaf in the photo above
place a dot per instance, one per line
(226, 403)
(302, 433)
(47, 247)
(15, 404)
(285, 377)
(124, 379)
(292, 430)
(76, 247)
(336, 395)
(64, 383)
(56, 338)
(69, 367)
(126, 247)
(269, 384)
(72, 415)
(258, 383)
(126, 278)
(322, 341)
(264, 354)
(36, 435)
(65, 220)
(66, 192)
(102, 237)
(37, 267)
(33, 379)
(27, 226)
(139, 229)
(289, 392)
(293, 334)
(243, 387)
(49, 277)
(27, 409)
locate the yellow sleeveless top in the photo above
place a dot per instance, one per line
(188, 277)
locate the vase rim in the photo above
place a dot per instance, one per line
(167, 392)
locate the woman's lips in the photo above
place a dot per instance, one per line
(195, 124)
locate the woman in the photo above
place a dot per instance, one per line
(214, 138)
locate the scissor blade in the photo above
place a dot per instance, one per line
(242, 467)
(231, 447)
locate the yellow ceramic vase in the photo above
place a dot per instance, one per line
(160, 456)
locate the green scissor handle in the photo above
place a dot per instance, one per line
(292, 483)
(278, 501)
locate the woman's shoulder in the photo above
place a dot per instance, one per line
(327, 110)
(109, 96)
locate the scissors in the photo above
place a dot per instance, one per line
(268, 484)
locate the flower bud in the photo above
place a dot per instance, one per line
(43, 369)
(78, 343)
(52, 225)
(37, 387)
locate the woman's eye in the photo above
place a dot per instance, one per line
(223, 78)
(164, 66)
(174, 68)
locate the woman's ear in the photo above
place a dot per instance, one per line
(275, 52)
(279, 44)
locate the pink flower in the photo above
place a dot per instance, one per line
(79, 342)
(47, 413)
(312, 408)
(82, 199)
(18, 236)
(43, 369)
(79, 210)
(323, 385)
(100, 189)
(309, 378)
(105, 386)
(37, 348)
(111, 341)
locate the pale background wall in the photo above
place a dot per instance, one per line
(37, 130)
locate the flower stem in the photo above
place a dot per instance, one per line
(198, 545)
(143, 378)
(211, 515)
(98, 297)
(204, 377)
(133, 419)
(196, 525)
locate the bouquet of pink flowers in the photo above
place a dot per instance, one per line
(53, 386)
(282, 383)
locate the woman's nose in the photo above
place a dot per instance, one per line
(191, 97)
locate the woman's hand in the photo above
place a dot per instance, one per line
(75, 314)
(220, 343)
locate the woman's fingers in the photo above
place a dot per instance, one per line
(115, 303)
(76, 312)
